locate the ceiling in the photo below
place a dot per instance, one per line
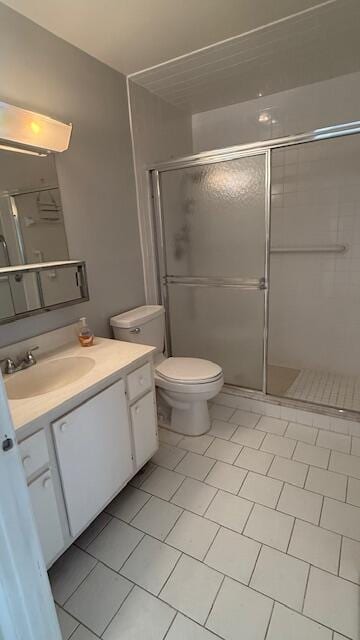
(130, 35)
(317, 45)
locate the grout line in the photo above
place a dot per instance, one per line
(123, 602)
(82, 581)
(213, 603)
(306, 588)
(291, 534)
(268, 624)
(340, 553)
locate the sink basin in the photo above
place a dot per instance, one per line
(47, 376)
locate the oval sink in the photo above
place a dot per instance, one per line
(47, 376)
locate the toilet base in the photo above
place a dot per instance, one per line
(192, 421)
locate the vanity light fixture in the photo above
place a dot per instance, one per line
(31, 132)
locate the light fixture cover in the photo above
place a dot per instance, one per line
(33, 129)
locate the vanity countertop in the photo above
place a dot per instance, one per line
(111, 357)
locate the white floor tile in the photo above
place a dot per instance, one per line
(345, 463)
(327, 483)
(341, 518)
(185, 629)
(315, 545)
(128, 503)
(67, 623)
(157, 518)
(248, 437)
(115, 543)
(261, 489)
(269, 526)
(197, 444)
(221, 429)
(332, 440)
(239, 612)
(98, 598)
(193, 535)
(350, 560)
(300, 503)
(288, 625)
(245, 418)
(272, 425)
(353, 492)
(278, 445)
(152, 624)
(150, 564)
(226, 476)
(195, 466)
(233, 554)
(192, 588)
(223, 450)
(168, 456)
(355, 446)
(229, 511)
(220, 412)
(301, 432)
(194, 496)
(163, 483)
(281, 577)
(333, 602)
(93, 530)
(68, 572)
(83, 634)
(169, 437)
(289, 471)
(254, 460)
(307, 453)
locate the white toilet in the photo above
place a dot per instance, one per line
(184, 384)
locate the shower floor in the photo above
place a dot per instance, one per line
(319, 387)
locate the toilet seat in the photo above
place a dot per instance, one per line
(188, 371)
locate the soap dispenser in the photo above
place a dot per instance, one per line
(86, 336)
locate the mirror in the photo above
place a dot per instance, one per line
(26, 290)
(32, 228)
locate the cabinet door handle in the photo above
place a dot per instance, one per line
(141, 380)
(137, 410)
(46, 483)
(26, 460)
(63, 427)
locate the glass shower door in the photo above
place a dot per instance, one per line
(213, 220)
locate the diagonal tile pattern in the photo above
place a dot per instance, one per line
(251, 531)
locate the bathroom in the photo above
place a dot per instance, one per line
(197, 201)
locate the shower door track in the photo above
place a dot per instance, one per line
(222, 155)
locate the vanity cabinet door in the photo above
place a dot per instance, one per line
(93, 446)
(144, 427)
(46, 515)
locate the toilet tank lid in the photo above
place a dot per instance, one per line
(137, 316)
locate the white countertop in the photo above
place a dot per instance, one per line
(110, 356)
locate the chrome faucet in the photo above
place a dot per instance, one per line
(28, 360)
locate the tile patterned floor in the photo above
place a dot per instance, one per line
(322, 387)
(251, 531)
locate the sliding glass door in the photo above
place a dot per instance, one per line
(213, 233)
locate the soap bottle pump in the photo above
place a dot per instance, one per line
(86, 336)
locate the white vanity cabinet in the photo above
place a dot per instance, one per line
(46, 515)
(93, 446)
(144, 428)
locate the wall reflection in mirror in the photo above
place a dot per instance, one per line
(32, 228)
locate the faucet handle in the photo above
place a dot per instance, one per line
(10, 365)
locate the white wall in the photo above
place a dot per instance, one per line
(160, 132)
(294, 111)
(44, 73)
(314, 300)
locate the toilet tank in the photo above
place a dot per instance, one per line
(145, 325)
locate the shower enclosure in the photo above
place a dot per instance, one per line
(276, 305)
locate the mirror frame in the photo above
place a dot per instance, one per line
(37, 269)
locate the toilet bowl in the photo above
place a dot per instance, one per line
(184, 385)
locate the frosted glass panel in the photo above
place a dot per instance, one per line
(220, 324)
(214, 222)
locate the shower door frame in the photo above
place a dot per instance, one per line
(222, 155)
